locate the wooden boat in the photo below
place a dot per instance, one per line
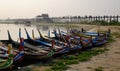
(17, 55)
(84, 41)
(41, 42)
(3, 52)
(30, 51)
(60, 48)
(76, 32)
(97, 38)
(7, 63)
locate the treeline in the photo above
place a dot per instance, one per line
(102, 20)
(113, 22)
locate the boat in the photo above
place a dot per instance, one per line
(60, 47)
(7, 63)
(30, 51)
(85, 41)
(17, 55)
(42, 44)
(96, 38)
(99, 33)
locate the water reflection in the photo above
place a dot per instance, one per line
(44, 27)
(14, 30)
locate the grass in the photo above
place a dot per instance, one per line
(62, 64)
(67, 25)
(116, 34)
(97, 22)
(104, 23)
(111, 39)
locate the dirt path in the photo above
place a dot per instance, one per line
(109, 61)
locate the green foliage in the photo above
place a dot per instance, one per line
(114, 22)
(105, 23)
(84, 56)
(97, 51)
(61, 64)
(59, 67)
(116, 34)
(111, 39)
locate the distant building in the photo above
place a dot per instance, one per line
(43, 18)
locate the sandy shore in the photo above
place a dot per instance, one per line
(109, 61)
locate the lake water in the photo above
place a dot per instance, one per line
(14, 30)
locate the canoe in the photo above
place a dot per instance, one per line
(41, 42)
(30, 51)
(17, 55)
(95, 35)
(100, 33)
(97, 38)
(83, 40)
(7, 63)
(92, 40)
(59, 48)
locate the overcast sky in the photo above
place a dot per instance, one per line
(31, 8)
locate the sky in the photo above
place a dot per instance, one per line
(56, 8)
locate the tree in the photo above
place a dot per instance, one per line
(117, 17)
(79, 18)
(90, 18)
(110, 18)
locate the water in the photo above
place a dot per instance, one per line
(14, 30)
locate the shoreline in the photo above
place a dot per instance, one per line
(96, 62)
